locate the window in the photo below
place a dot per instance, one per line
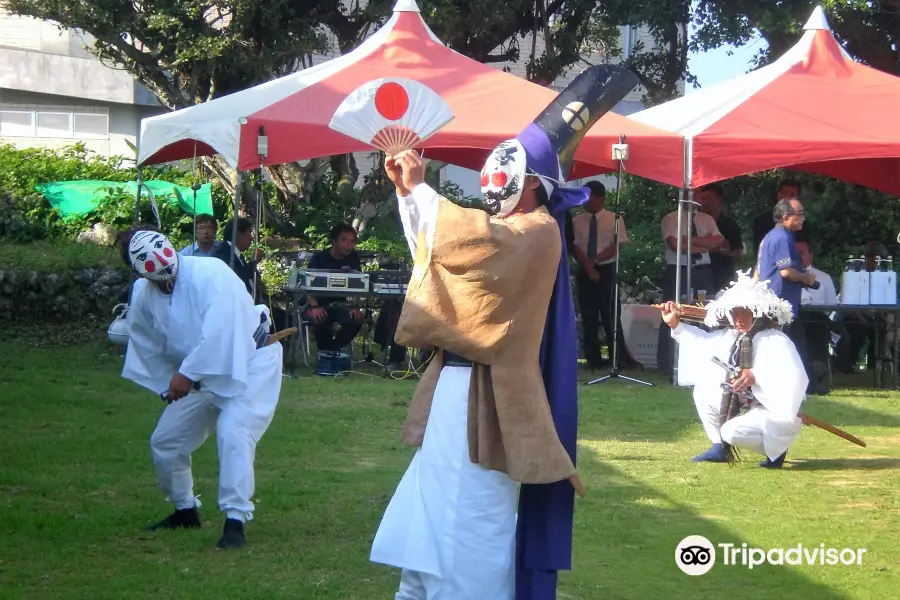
(54, 124)
(91, 125)
(16, 123)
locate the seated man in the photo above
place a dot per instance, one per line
(236, 245)
(386, 324)
(859, 329)
(322, 312)
(771, 383)
(816, 324)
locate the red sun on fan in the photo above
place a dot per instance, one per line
(391, 101)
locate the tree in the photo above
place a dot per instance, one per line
(868, 30)
(191, 51)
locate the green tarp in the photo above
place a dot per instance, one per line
(78, 198)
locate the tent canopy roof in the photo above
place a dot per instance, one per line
(813, 109)
(294, 111)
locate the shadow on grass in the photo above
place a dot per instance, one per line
(626, 534)
(842, 413)
(846, 464)
(625, 411)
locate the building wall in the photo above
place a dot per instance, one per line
(60, 121)
(53, 93)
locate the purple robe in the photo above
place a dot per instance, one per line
(547, 511)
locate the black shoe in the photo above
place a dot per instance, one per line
(232, 535)
(186, 518)
(774, 464)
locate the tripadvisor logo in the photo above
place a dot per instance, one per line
(696, 555)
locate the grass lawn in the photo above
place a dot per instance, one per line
(77, 488)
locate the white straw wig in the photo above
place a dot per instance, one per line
(751, 294)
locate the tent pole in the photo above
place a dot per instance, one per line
(684, 193)
(195, 188)
(262, 149)
(237, 207)
(137, 200)
(690, 267)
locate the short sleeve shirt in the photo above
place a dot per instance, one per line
(704, 226)
(777, 252)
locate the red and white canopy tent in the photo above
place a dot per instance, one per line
(814, 110)
(294, 111)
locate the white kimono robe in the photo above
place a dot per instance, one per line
(770, 427)
(451, 524)
(204, 329)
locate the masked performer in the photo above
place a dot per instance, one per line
(497, 406)
(766, 382)
(197, 339)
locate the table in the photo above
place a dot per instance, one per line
(875, 309)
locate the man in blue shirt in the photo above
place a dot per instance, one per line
(779, 263)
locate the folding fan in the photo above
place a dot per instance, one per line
(391, 115)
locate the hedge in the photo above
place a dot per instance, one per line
(46, 281)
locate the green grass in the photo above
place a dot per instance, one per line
(77, 487)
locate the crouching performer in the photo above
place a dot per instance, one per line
(497, 406)
(749, 381)
(197, 341)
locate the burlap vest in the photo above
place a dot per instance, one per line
(482, 291)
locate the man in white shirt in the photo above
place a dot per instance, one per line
(816, 324)
(592, 239)
(205, 244)
(826, 294)
(705, 236)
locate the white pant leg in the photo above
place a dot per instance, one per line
(709, 404)
(746, 431)
(451, 522)
(411, 586)
(243, 421)
(182, 428)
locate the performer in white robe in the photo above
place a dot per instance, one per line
(197, 341)
(777, 378)
(437, 527)
(485, 509)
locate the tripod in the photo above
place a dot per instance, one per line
(614, 369)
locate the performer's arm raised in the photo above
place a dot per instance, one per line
(417, 202)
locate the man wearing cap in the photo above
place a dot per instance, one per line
(197, 342)
(494, 417)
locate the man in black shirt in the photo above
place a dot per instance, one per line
(342, 254)
(722, 259)
(763, 222)
(236, 245)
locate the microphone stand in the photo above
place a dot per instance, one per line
(614, 369)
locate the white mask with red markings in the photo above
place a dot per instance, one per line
(153, 256)
(503, 176)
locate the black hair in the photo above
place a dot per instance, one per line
(205, 218)
(596, 188)
(123, 239)
(716, 189)
(790, 183)
(338, 229)
(875, 248)
(243, 226)
(541, 193)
